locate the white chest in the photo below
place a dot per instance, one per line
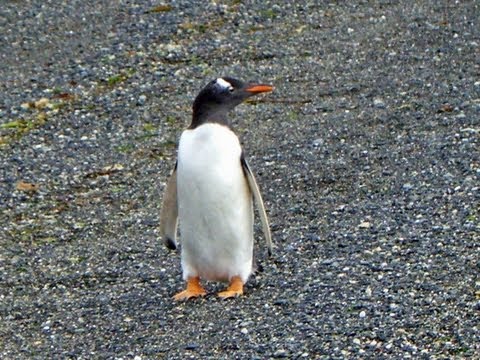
(210, 146)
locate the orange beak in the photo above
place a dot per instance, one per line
(258, 88)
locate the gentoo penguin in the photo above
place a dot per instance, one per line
(210, 191)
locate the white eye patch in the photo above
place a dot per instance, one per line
(224, 84)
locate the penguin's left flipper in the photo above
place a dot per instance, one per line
(252, 183)
(169, 212)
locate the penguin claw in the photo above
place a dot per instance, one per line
(194, 289)
(234, 289)
(227, 294)
(188, 294)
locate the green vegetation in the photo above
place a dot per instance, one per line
(122, 76)
(14, 130)
(160, 9)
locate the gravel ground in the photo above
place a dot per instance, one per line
(367, 154)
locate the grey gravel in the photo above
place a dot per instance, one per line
(367, 153)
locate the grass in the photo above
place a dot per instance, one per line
(149, 127)
(122, 76)
(171, 120)
(126, 148)
(115, 79)
(15, 129)
(269, 13)
(160, 9)
(202, 28)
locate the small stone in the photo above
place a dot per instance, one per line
(318, 142)
(365, 225)
(362, 314)
(379, 103)
(244, 331)
(26, 105)
(476, 306)
(191, 346)
(141, 100)
(280, 302)
(281, 353)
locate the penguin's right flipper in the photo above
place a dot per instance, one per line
(169, 212)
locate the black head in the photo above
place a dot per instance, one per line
(220, 96)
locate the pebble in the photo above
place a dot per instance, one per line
(191, 346)
(141, 100)
(365, 225)
(379, 103)
(281, 353)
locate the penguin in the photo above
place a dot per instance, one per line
(210, 194)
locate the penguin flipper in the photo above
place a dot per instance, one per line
(252, 183)
(169, 212)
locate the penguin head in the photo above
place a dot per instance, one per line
(220, 96)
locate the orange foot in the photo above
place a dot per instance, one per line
(234, 289)
(193, 290)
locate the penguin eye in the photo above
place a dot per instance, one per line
(231, 89)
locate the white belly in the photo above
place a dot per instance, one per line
(215, 205)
